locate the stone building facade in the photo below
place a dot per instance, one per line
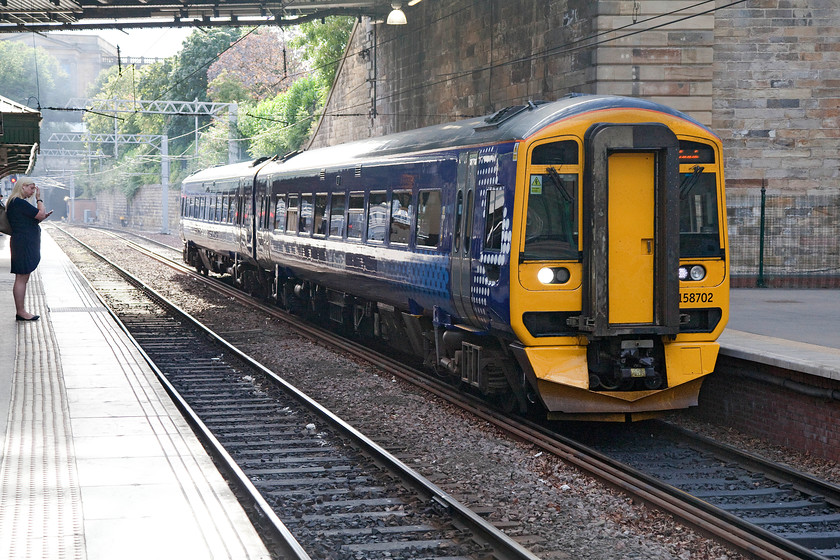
(763, 74)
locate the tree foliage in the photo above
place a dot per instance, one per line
(279, 104)
(281, 124)
(29, 75)
(260, 66)
(324, 44)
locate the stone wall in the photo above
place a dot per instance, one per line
(142, 212)
(777, 94)
(463, 58)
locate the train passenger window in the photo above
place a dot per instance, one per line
(493, 219)
(337, 214)
(400, 216)
(320, 224)
(429, 213)
(280, 215)
(699, 229)
(377, 216)
(231, 209)
(306, 214)
(556, 153)
(551, 231)
(269, 218)
(223, 209)
(244, 211)
(355, 216)
(292, 214)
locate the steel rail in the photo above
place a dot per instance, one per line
(504, 547)
(706, 518)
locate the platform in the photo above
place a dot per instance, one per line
(791, 329)
(97, 462)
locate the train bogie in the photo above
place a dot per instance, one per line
(571, 254)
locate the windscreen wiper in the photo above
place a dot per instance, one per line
(689, 181)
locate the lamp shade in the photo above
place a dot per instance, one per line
(396, 17)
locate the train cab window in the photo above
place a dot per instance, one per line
(231, 209)
(280, 215)
(429, 212)
(306, 214)
(355, 216)
(337, 214)
(320, 209)
(699, 226)
(292, 214)
(223, 209)
(400, 217)
(493, 219)
(551, 230)
(564, 152)
(378, 214)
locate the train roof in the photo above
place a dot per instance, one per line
(510, 124)
(222, 172)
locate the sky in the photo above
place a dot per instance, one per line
(155, 43)
(158, 43)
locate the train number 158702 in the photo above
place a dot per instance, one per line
(694, 297)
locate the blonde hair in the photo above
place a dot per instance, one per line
(17, 190)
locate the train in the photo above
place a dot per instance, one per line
(565, 257)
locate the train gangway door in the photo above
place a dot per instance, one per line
(630, 227)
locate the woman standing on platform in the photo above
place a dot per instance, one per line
(25, 244)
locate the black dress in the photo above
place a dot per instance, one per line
(25, 244)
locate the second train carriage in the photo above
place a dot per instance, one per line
(571, 253)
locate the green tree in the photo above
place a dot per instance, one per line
(324, 44)
(19, 80)
(281, 124)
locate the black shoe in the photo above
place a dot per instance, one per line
(33, 318)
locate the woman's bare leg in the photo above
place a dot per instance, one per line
(19, 293)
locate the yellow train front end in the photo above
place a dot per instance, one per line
(622, 285)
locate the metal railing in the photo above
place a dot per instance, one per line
(784, 240)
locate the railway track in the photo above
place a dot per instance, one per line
(330, 491)
(783, 503)
(746, 517)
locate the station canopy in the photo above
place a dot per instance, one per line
(17, 16)
(19, 136)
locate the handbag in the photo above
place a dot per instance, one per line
(5, 226)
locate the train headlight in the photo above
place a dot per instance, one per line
(693, 272)
(553, 275)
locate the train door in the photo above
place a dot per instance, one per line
(631, 230)
(262, 218)
(245, 218)
(461, 261)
